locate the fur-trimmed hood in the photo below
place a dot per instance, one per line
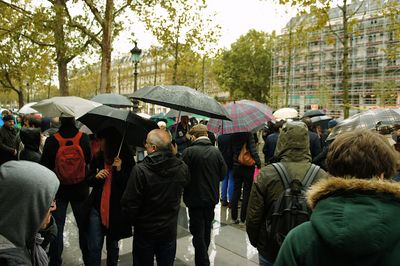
(355, 216)
(331, 185)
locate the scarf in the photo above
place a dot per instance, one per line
(105, 197)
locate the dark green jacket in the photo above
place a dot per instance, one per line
(294, 152)
(354, 222)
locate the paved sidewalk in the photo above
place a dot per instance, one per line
(229, 243)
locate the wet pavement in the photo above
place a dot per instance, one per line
(229, 243)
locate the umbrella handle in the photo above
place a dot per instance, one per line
(176, 128)
(122, 141)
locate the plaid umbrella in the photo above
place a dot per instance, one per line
(368, 119)
(245, 117)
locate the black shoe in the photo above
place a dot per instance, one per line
(224, 203)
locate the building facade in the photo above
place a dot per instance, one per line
(310, 71)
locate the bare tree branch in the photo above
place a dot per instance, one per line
(117, 12)
(17, 8)
(330, 26)
(358, 8)
(29, 38)
(82, 28)
(95, 11)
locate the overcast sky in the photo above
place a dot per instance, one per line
(236, 17)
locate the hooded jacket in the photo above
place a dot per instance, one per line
(207, 168)
(27, 190)
(293, 152)
(30, 137)
(354, 222)
(153, 195)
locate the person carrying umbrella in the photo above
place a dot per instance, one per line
(108, 175)
(181, 135)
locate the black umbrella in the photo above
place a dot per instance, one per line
(312, 113)
(183, 99)
(321, 120)
(133, 127)
(112, 99)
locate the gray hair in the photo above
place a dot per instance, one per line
(160, 138)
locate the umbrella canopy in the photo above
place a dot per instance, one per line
(321, 120)
(136, 127)
(312, 113)
(245, 118)
(182, 98)
(285, 113)
(112, 99)
(175, 113)
(369, 119)
(262, 107)
(65, 106)
(27, 109)
(163, 117)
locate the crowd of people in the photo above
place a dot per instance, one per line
(352, 217)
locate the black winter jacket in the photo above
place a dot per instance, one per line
(238, 139)
(225, 146)
(8, 144)
(79, 191)
(207, 168)
(30, 137)
(153, 195)
(119, 225)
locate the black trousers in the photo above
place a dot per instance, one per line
(200, 225)
(242, 176)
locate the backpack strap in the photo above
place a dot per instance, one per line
(310, 175)
(63, 141)
(283, 174)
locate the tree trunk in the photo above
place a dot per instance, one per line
(20, 93)
(289, 66)
(59, 37)
(345, 63)
(156, 68)
(175, 70)
(105, 76)
(203, 73)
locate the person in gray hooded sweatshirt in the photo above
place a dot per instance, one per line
(27, 191)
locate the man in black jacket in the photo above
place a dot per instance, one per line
(207, 167)
(8, 140)
(75, 194)
(315, 143)
(152, 200)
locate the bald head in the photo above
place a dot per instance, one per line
(159, 138)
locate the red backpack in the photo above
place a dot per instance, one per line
(70, 165)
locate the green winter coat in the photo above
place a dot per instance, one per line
(294, 153)
(354, 222)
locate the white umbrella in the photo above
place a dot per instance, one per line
(65, 106)
(27, 109)
(285, 113)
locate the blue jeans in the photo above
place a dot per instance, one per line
(227, 187)
(95, 235)
(264, 262)
(144, 250)
(56, 247)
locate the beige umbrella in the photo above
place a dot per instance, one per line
(65, 106)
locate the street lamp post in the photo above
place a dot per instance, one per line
(135, 58)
